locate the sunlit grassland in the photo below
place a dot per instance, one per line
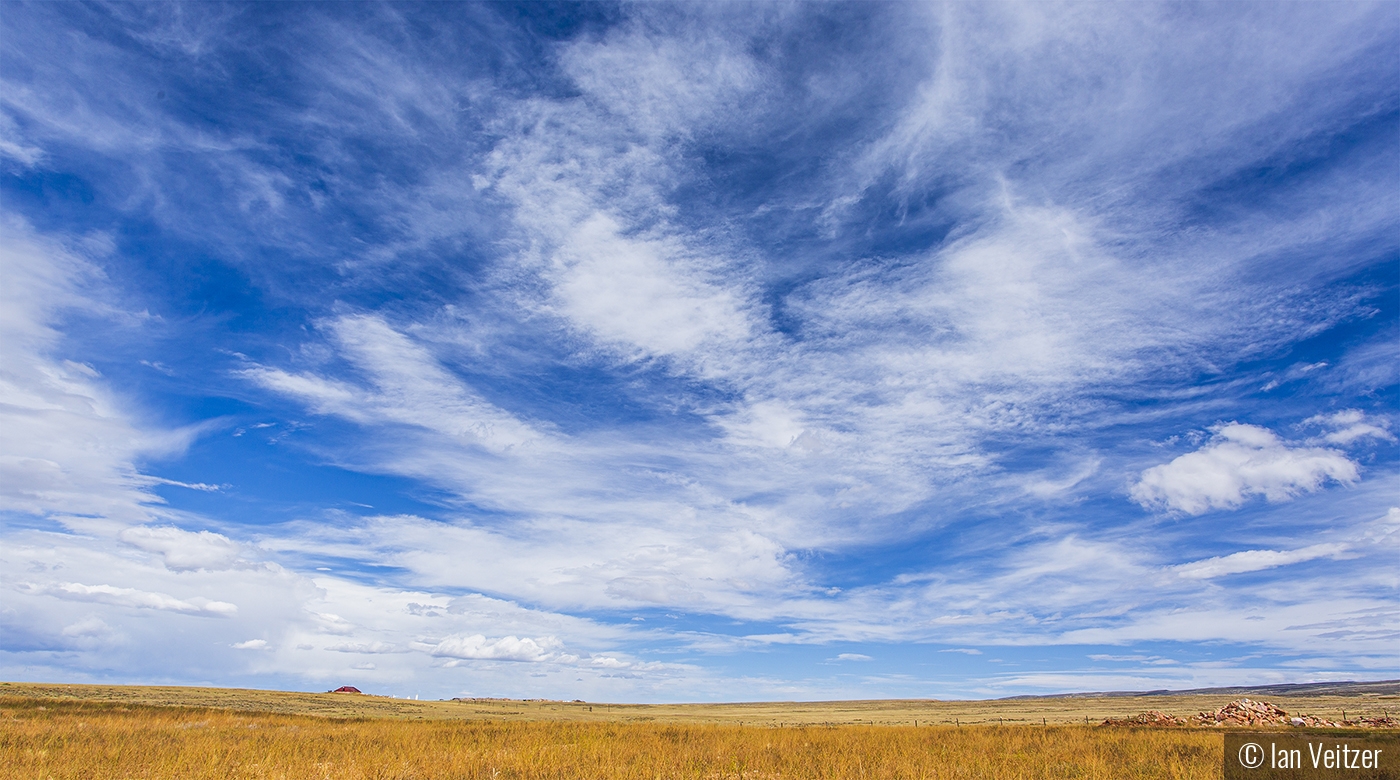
(113, 731)
(1082, 710)
(46, 738)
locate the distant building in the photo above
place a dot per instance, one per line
(346, 689)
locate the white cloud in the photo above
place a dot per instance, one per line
(900, 375)
(507, 648)
(767, 424)
(1365, 538)
(202, 487)
(566, 563)
(366, 648)
(1349, 426)
(1240, 461)
(1255, 560)
(1116, 588)
(13, 146)
(87, 627)
(902, 372)
(638, 292)
(406, 385)
(604, 255)
(1383, 532)
(664, 86)
(184, 550)
(311, 631)
(70, 446)
(131, 597)
(894, 392)
(853, 657)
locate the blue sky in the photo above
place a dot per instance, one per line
(700, 352)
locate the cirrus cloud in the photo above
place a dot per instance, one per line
(1255, 560)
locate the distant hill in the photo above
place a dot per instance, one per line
(1348, 688)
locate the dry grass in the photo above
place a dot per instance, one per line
(96, 731)
(47, 738)
(1051, 711)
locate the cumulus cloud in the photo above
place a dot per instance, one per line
(251, 644)
(1241, 461)
(853, 657)
(184, 550)
(477, 647)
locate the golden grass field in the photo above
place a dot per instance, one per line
(55, 731)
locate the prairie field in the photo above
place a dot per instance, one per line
(134, 732)
(1059, 710)
(93, 740)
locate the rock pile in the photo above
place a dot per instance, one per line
(1149, 718)
(1312, 721)
(1365, 722)
(1245, 712)
(1379, 722)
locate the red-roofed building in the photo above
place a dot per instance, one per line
(346, 689)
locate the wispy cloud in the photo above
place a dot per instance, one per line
(71, 446)
(1349, 427)
(1255, 560)
(406, 386)
(770, 336)
(131, 597)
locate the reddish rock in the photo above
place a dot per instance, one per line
(1154, 718)
(1245, 712)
